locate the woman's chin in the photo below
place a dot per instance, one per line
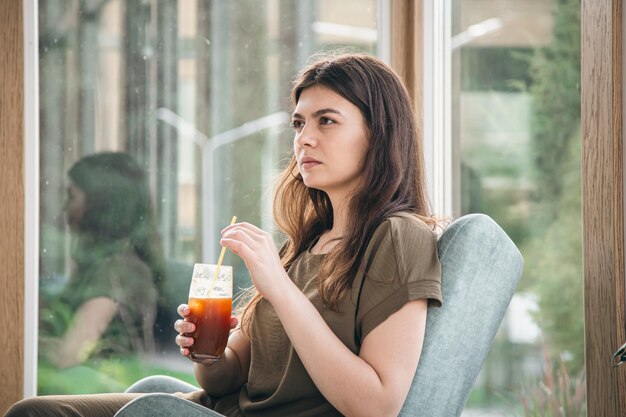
(309, 182)
(313, 184)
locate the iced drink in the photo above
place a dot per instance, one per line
(210, 306)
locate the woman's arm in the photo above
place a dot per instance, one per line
(376, 381)
(220, 377)
(229, 373)
(89, 323)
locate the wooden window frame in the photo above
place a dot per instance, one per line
(12, 198)
(603, 203)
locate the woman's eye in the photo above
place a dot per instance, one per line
(297, 124)
(326, 121)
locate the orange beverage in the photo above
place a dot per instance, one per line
(212, 319)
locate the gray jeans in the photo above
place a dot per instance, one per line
(150, 396)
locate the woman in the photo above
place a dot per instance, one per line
(337, 318)
(112, 290)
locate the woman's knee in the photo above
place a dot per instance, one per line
(163, 405)
(160, 383)
(31, 407)
(92, 405)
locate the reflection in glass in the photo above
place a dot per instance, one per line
(195, 92)
(108, 306)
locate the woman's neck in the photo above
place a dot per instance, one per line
(330, 238)
(340, 215)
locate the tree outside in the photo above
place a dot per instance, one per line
(519, 131)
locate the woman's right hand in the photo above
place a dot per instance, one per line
(186, 328)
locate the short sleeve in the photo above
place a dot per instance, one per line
(404, 267)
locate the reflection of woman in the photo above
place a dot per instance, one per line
(337, 323)
(112, 289)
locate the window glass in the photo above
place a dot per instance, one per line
(515, 69)
(160, 120)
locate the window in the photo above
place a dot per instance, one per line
(159, 120)
(514, 123)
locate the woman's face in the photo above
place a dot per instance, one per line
(75, 206)
(330, 141)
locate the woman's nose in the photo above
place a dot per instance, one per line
(306, 137)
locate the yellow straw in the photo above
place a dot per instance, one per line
(221, 258)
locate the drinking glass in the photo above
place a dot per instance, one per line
(210, 307)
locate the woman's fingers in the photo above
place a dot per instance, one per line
(249, 242)
(242, 235)
(245, 226)
(183, 310)
(184, 341)
(245, 242)
(183, 326)
(254, 234)
(238, 247)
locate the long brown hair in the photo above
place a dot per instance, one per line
(392, 181)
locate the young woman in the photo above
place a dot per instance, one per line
(336, 324)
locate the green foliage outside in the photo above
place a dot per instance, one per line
(101, 376)
(555, 272)
(521, 152)
(558, 394)
(555, 73)
(554, 254)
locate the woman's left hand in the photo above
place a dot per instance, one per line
(256, 248)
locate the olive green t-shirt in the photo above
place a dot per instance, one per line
(402, 265)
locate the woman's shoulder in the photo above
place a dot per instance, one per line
(402, 235)
(405, 224)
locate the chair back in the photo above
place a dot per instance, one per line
(481, 267)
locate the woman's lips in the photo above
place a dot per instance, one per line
(308, 162)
